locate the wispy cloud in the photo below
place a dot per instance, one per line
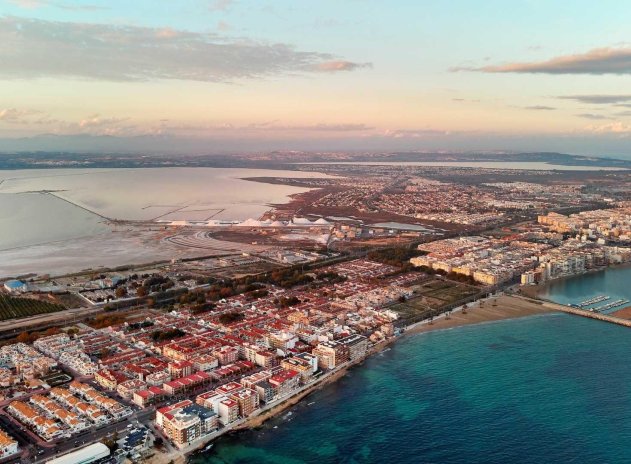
(31, 48)
(540, 108)
(97, 124)
(597, 61)
(350, 127)
(220, 5)
(414, 133)
(598, 99)
(617, 127)
(97, 121)
(463, 100)
(16, 116)
(593, 116)
(269, 126)
(34, 4)
(340, 65)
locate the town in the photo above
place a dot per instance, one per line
(156, 361)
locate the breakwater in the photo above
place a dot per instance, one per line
(579, 312)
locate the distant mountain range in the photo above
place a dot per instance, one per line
(278, 159)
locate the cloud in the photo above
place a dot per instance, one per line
(95, 124)
(462, 100)
(223, 26)
(30, 4)
(340, 65)
(414, 133)
(597, 61)
(16, 116)
(96, 121)
(617, 127)
(266, 126)
(31, 48)
(350, 127)
(220, 5)
(34, 4)
(598, 99)
(540, 108)
(593, 116)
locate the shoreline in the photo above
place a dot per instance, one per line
(534, 291)
(508, 307)
(495, 309)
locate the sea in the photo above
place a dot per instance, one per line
(550, 388)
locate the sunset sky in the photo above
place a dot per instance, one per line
(228, 75)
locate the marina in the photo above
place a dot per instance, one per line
(605, 307)
(599, 299)
(591, 301)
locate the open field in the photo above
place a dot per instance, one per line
(431, 296)
(16, 308)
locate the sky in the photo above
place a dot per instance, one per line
(204, 76)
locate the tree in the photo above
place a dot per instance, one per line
(142, 291)
(231, 317)
(121, 292)
(72, 331)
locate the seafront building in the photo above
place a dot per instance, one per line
(185, 422)
(485, 260)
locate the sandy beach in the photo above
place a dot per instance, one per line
(508, 307)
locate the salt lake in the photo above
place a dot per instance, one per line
(45, 205)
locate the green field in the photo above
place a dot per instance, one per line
(16, 308)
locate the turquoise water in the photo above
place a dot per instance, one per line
(614, 282)
(541, 389)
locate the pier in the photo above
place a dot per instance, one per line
(578, 311)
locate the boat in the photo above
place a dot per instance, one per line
(594, 300)
(613, 304)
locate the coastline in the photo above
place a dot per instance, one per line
(534, 291)
(508, 307)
